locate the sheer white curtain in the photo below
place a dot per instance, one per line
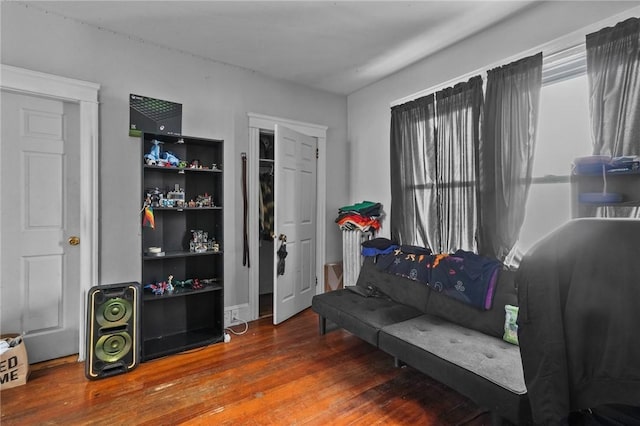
(613, 70)
(434, 150)
(509, 134)
(458, 112)
(412, 179)
(450, 188)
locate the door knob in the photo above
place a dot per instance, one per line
(74, 241)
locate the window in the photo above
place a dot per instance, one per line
(563, 135)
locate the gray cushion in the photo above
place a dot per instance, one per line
(488, 357)
(490, 322)
(362, 316)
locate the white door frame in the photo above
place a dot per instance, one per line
(85, 95)
(265, 122)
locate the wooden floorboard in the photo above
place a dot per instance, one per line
(271, 375)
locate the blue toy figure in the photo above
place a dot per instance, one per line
(170, 158)
(153, 156)
(156, 157)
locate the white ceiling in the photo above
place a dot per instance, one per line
(338, 46)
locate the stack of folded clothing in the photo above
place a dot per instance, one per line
(364, 216)
(599, 164)
(380, 245)
(624, 164)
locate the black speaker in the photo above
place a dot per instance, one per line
(113, 330)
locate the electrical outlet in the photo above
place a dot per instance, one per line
(227, 317)
(235, 315)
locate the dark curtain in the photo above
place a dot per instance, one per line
(613, 65)
(508, 142)
(458, 112)
(412, 149)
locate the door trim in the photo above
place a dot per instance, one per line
(85, 95)
(259, 122)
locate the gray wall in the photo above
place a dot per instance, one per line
(369, 110)
(216, 99)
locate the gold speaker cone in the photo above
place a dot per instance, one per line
(114, 311)
(113, 347)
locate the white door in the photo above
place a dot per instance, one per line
(40, 190)
(295, 213)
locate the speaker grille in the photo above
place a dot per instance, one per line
(113, 347)
(114, 312)
(113, 342)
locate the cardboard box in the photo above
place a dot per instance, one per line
(14, 364)
(332, 276)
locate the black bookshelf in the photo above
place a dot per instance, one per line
(182, 255)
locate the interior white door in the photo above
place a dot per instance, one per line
(295, 213)
(40, 217)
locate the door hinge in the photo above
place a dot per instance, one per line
(316, 281)
(317, 156)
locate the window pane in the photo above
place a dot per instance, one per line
(563, 134)
(563, 127)
(548, 207)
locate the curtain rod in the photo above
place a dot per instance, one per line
(554, 51)
(483, 71)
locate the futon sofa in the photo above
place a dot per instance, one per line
(456, 344)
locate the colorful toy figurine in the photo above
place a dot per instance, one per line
(158, 288)
(157, 157)
(169, 285)
(154, 153)
(169, 158)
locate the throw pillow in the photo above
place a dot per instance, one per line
(510, 324)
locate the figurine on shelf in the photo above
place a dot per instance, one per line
(157, 157)
(169, 285)
(198, 241)
(197, 285)
(154, 197)
(170, 159)
(158, 288)
(176, 196)
(184, 283)
(153, 156)
(204, 200)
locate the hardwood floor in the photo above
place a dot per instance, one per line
(282, 375)
(265, 305)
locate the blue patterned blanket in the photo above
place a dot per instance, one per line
(463, 275)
